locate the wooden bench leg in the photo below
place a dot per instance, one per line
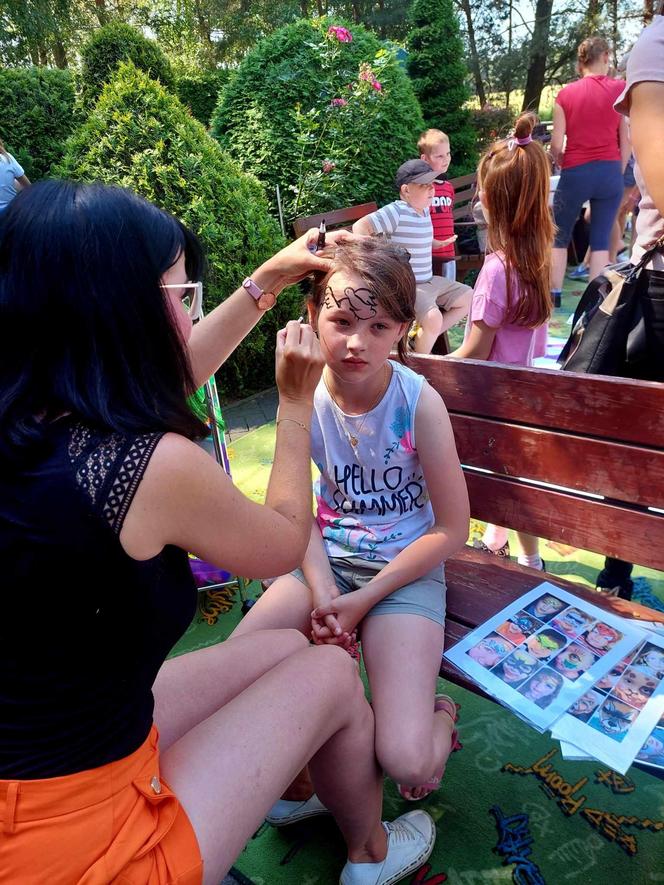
(441, 346)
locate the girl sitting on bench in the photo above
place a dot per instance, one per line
(511, 303)
(391, 507)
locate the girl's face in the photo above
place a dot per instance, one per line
(635, 688)
(547, 605)
(176, 274)
(542, 686)
(573, 660)
(356, 335)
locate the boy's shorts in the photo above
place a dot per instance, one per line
(119, 823)
(442, 293)
(424, 597)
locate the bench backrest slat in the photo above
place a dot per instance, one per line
(334, 218)
(590, 405)
(624, 472)
(583, 433)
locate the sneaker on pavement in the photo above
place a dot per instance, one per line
(410, 840)
(285, 811)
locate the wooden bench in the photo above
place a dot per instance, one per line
(581, 433)
(465, 191)
(335, 219)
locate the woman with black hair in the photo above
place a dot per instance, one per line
(102, 492)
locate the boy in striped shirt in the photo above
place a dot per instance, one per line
(439, 303)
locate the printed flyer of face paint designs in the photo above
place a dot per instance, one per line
(546, 651)
(621, 718)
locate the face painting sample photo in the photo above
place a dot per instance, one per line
(546, 607)
(517, 667)
(585, 706)
(490, 650)
(652, 750)
(600, 638)
(635, 687)
(650, 659)
(573, 661)
(571, 622)
(518, 627)
(613, 718)
(545, 644)
(542, 687)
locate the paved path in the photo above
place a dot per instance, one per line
(248, 414)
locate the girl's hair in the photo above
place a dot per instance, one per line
(3, 149)
(386, 271)
(590, 50)
(85, 327)
(514, 181)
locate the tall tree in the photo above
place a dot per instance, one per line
(439, 76)
(474, 57)
(539, 49)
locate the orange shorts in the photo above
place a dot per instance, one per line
(119, 823)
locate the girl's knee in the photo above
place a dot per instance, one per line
(408, 762)
(290, 639)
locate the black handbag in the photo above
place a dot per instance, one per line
(608, 331)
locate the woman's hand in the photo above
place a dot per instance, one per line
(297, 260)
(299, 362)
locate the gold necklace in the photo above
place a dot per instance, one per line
(353, 438)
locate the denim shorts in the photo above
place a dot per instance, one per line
(424, 597)
(599, 181)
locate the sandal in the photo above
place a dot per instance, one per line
(503, 551)
(445, 703)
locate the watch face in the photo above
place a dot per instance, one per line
(267, 300)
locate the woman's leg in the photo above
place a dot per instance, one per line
(228, 770)
(604, 204)
(402, 655)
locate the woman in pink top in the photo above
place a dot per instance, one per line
(591, 144)
(511, 302)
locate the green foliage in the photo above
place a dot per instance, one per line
(439, 74)
(141, 137)
(199, 90)
(490, 124)
(115, 43)
(278, 117)
(37, 116)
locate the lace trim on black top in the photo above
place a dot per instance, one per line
(109, 468)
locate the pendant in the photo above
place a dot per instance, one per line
(353, 440)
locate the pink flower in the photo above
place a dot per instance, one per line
(376, 85)
(338, 102)
(328, 166)
(366, 73)
(343, 35)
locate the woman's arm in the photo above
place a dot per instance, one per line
(558, 134)
(449, 499)
(186, 499)
(217, 335)
(625, 143)
(478, 344)
(21, 182)
(646, 117)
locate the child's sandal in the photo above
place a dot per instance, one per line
(503, 551)
(445, 703)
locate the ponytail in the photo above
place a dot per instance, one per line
(513, 176)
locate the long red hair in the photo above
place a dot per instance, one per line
(514, 181)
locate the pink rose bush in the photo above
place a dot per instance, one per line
(343, 35)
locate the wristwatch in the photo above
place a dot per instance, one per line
(264, 300)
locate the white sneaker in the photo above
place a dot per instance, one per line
(410, 840)
(285, 811)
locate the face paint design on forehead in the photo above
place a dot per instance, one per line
(360, 302)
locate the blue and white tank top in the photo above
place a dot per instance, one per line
(372, 500)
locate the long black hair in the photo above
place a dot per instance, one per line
(85, 328)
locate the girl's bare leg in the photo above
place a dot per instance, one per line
(402, 654)
(286, 603)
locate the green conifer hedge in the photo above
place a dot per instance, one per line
(140, 136)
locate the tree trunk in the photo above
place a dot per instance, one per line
(304, 8)
(59, 54)
(43, 55)
(613, 15)
(539, 48)
(474, 58)
(591, 22)
(508, 84)
(101, 12)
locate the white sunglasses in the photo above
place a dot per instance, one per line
(192, 303)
